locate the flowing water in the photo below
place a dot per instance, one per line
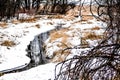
(36, 50)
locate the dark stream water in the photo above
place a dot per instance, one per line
(36, 50)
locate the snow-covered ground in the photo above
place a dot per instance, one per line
(77, 1)
(43, 72)
(14, 55)
(21, 34)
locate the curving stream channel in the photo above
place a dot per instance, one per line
(36, 52)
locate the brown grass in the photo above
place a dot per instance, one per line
(84, 43)
(86, 10)
(8, 43)
(91, 35)
(95, 28)
(15, 21)
(37, 26)
(50, 23)
(3, 24)
(59, 34)
(54, 35)
(87, 17)
(59, 56)
(56, 16)
(28, 20)
(1, 74)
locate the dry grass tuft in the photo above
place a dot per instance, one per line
(28, 20)
(60, 56)
(50, 23)
(59, 34)
(91, 35)
(3, 24)
(87, 17)
(8, 43)
(57, 16)
(37, 25)
(95, 28)
(15, 21)
(1, 74)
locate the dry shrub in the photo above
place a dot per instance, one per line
(102, 62)
(1, 74)
(3, 24)
(59, 34)
(27, 20)
(86, 10)
(84, 43)
(15, 21)
(8, 43)
(60, 55)
(37, 26)
(95, 28)
(57, 16)
(71, 12)
(91, 35)
(58, 9)
(50, 23)
(87, 17)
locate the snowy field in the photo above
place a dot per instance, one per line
(15, 36)
(21, 34)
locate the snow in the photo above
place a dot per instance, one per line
(22, 34)
(77, 2)
(43, 72)
(75, 41)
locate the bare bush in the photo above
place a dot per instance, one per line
(103, 61)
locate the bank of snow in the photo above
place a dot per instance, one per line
(43, 72)
(21, 34)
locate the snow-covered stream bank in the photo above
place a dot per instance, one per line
(21, 34)
(16, 36)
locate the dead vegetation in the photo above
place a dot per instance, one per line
(60, 56)
(59, 34)
(61, 39)
(91, 36)
(28, 20)
(56, 16)
(102, 62)
(8, 43)
(3, 25)
(87, 17)
(37, 25)
(15, 21)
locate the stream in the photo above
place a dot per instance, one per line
(36, 52)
